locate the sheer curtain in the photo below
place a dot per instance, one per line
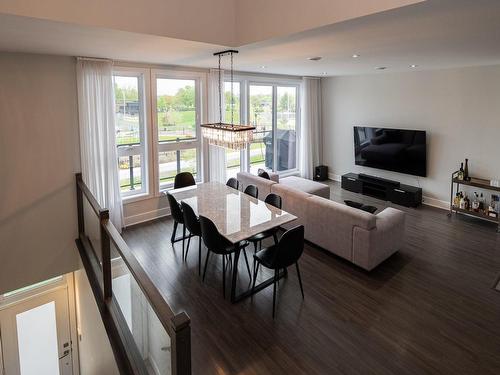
(96, 107)
(216, 155)
(310, 140)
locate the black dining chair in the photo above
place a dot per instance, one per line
(252, 190)
(178, 217)
(273, 200)
(192, 223)
(279, 257)
(217, 244)
(183, 179)
(262, 173)
(234, 183)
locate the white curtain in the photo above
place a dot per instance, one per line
(310, 140)
(216, 155)
(96, 107)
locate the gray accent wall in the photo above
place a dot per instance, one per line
(459, 109)
(39, 154)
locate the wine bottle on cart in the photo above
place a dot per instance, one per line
(466, 170)
(461, 172)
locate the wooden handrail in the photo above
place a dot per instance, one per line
(88, 194)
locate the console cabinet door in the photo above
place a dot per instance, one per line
(352, 184)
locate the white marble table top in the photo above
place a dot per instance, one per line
(237, 216)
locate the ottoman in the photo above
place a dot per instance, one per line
(307, 186)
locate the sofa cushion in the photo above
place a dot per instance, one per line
(307, 186)
(273, 176)
(263, 184)
(293, 201)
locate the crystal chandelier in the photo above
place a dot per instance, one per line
(221, 134)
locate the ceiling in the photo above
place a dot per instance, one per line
(433, 34)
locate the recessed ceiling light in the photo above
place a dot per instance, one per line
(355, 56)
(323, 73)
(315, 58)
(381, 67)
(413, 65)
(263, 67)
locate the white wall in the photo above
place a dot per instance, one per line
(96, 355)
(39, 155)
(459, 109)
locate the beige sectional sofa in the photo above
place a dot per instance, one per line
(362, 238)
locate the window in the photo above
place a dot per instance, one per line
(233, 157)
(173, 162)
(177, 107)
(130, 132)
(261, 116)
(273, 111)
(286, 134)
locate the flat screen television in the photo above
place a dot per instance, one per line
(398, 150)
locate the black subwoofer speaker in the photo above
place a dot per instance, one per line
(321, 173)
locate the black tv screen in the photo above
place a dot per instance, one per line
(398, 150)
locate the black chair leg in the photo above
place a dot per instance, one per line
(300, 280)
(183, 238)
(224, 276)
(255, 272)
(274, 291)
(187, 248)
(174, 232)
(248, 265)
(206, 264)
(255, 247)
(275, 238)
(199, 256)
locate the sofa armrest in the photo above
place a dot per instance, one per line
(372, 247)
(390, 218)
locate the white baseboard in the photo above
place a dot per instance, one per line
(334, 177)
(146, 216)
(433, 202)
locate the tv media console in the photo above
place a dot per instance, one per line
(381, 188)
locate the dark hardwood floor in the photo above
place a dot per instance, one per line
(429, 309)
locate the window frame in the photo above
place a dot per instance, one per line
(275, 83)
(200, 83)
(142, 149)
(242, 116)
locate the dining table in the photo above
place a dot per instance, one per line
(237, 216)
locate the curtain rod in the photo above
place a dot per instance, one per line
(92, 59)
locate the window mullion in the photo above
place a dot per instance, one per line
(274, 129)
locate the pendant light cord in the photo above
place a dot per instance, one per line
(220, 95)
(232, 95)
(220, 90)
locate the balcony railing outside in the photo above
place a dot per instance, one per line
(143, 330)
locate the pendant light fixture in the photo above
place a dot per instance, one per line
(222, 134)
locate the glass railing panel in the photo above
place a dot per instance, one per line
(92, 229)
(152, 340)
